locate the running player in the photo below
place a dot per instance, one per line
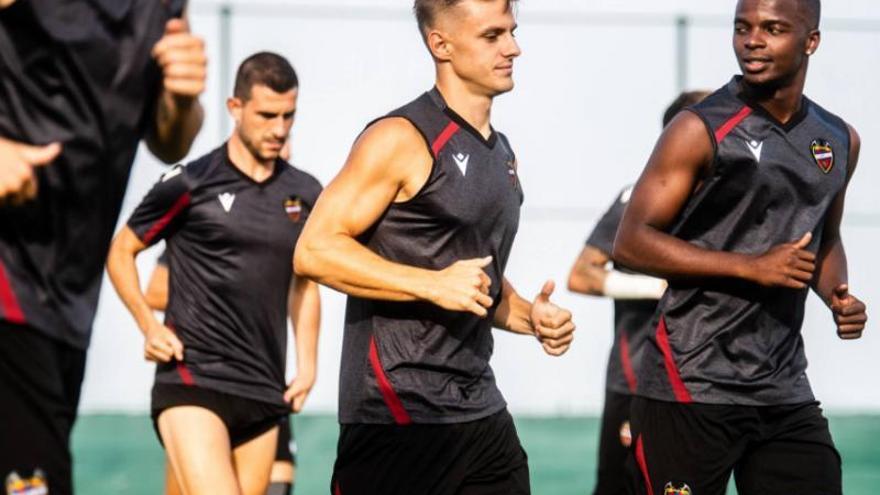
(231, 220)
(635, 301)
(417, 229)
(283, 473)
(80, 84)
(739, 207)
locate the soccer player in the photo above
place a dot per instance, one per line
(283, 473)
(635, 301)
(81, 83)
(417, 229)
(739, 207)
(230, 220)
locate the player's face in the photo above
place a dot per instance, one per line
(482, 45)
(772, 40)
(263, 121)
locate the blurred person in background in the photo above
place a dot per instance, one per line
(231, 220)
(635, 301)
(81, 83)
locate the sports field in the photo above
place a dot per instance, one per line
(119, 454)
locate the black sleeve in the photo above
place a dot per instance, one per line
(163, 207)
(602, 237)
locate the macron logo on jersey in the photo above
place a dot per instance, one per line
(755, 147)
(226, 200)
(462, 161)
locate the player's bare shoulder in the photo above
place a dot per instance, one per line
(394, 149)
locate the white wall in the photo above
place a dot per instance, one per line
(591, 86)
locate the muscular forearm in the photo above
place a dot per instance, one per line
(831, 269)
(340, 262)
(123, 274)
(305, 315)
(178, 120)
(646, 249)
(514, 312)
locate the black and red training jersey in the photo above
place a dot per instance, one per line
(230, 243)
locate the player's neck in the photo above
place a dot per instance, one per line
(474, 108)
(781, 101)
(242, 159)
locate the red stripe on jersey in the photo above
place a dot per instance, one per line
(444, 138)
(178, 206)
(8, 302)
(626, 363)
(643, 465)
(337, 490)
(728, 126)
(401, 417)
(182, 370)
(681, 392)
(185, 375)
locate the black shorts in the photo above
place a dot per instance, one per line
(478, 457)
(770, 449)
(614, 473)
(245, 419)
(40, 382)
(286, 448)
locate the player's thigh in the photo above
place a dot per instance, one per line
(197, 443)
(171, 485)
(253, 462)
(681, 448)
(805, 468)
(282, 472)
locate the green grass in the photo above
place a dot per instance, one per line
(119, 454)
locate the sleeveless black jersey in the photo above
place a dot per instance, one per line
(632, 317)
(78, 72)
(230, 244)
(729, 341)
(405, 362)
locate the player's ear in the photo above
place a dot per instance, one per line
(813, 39)
(439, 45)
(234, 106)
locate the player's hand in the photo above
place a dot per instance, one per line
(849, 312)
(161, 344)
(552, 324)
(463, 286)
(18, 183)
(298, 390)
(181, 55)
(786, 265)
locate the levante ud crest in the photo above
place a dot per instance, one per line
(293, 207)
(823, 154)
(682, 489)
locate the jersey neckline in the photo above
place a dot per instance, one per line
(735, 87)
(276, 171)
(437, 98)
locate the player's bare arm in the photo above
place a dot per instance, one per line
(831, 280)
(157, 288)
(591, 275)
(551, 324)
(304, 303)
(179, 115)
(587, 276)
(674, 172)
(389, 163)
(160, 343)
